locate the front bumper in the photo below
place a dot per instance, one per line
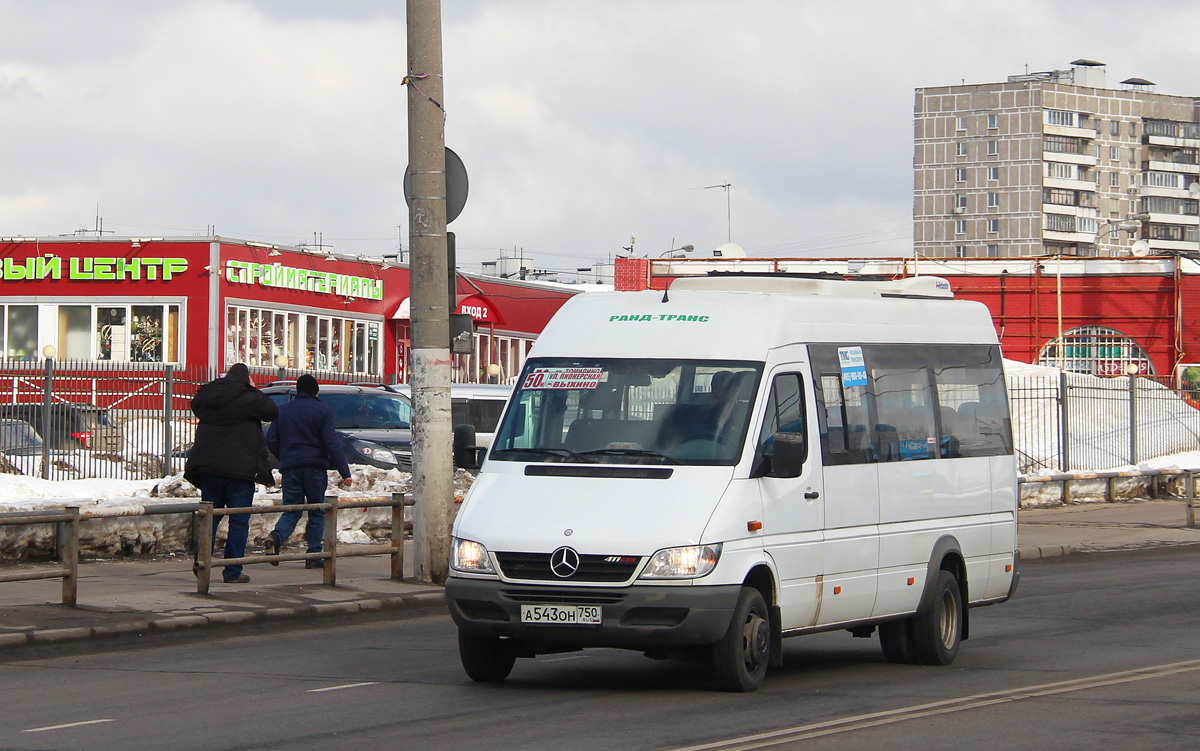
(636, 617)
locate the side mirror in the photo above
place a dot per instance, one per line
(782, 456)
(466, 454)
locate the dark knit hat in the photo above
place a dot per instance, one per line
(306, 384)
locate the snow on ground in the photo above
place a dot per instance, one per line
(141, 534)
(1098, 411)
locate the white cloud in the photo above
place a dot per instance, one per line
(580, 123)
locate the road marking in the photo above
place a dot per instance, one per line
(339, 688)
(877, 719)
(68, 725)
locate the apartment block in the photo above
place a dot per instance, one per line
(1057, 163)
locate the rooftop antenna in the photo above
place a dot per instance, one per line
(728, 188)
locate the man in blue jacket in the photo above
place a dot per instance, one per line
(304, 440)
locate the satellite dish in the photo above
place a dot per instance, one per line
(729, 250)
(1140, 249)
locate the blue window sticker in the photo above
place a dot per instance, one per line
(854, 369)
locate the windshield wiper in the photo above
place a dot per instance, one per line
(558, 453)
(630, 452)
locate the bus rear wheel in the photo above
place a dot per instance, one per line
(937, 632)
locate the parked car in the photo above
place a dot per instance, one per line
(476, 404)
(18, 438)
(71, 425)
(374, 421)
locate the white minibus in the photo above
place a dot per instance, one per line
(698, 473)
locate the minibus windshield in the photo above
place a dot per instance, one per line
(629, 411)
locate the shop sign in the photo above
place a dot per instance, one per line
(303, 280)
(52, 267)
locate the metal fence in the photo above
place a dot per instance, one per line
(1088, 423)
(75, 420)
(67, 545)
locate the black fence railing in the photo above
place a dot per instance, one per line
(1076, 422)
(127, 420)
(76, 420)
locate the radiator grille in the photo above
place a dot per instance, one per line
(592, 568)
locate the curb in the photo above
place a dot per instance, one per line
(179, 622)
(1033, 552)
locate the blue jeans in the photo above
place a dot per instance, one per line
(303, 485)
(229, 492)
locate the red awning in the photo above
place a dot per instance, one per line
(480, 308)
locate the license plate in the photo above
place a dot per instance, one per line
(574, 615)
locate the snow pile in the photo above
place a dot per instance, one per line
(140, 533)
(1098, 420)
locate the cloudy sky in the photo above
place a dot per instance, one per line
(582, 123)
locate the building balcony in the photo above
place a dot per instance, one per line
(1064, 130)
(1068, 237)
(1083, 211)
(1067, 157)
(1065, 184)
(1187, 143)
(1169, 245)
(1183, 168)
(1155, 190)
(1184, 219)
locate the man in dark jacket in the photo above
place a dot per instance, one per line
(224, 459)
(306, 443)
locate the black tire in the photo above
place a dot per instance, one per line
(486, 660)
(896, 639)
(740, 658)
(937, 632)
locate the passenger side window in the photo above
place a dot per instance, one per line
(843, 411)
(973, 404)
(904, 402)
(784, 414)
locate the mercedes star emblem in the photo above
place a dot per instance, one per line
(564, 562)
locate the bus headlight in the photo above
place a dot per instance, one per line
(691, 562)
(470, 556)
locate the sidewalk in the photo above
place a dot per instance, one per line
(125, 598)
(1097, 527)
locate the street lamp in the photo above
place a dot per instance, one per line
(685, 248)
(49, 352)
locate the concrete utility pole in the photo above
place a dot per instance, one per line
(433, 465)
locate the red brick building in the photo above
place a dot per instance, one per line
(1115, 312)
(213, 301)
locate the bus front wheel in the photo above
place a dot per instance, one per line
(740, 658)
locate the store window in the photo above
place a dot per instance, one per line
(257, 336)
(110, 331)
(507, 353)
(1096, 350)
(20, 332)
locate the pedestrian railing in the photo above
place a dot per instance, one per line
(67, 521)
(209, 517)
(1109, 476)
(67, 529)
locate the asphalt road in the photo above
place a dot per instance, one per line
(1096, 652)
